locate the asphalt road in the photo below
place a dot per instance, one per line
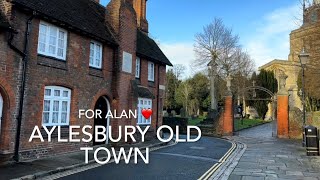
(181, 161)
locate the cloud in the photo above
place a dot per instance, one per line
(180, 53)
(270, 39)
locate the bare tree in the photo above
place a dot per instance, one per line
(178, 70)
(216, 44)
(216, 47)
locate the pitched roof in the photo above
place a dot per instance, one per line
(3, 21)
(84, 15)
(147, 47)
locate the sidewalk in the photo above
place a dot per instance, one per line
(47, 166)
(271, 158)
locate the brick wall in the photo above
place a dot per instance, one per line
(86, 84)
(10, 64)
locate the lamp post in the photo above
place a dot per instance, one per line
(304, 58)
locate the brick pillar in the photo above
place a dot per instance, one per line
(283, 108)
(283, 116)
(228, 116)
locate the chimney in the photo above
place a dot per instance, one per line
(140, 6)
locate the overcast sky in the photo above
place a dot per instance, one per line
(263, 26)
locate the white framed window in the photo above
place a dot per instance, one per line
(150, 71)
(127, 62)
(144, 103)
(56, 106)
(138, 62)
(52, 41)
(95, 55)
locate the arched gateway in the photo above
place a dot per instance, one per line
(281, 99)
(270, 97)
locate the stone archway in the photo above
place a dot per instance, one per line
(102, 104)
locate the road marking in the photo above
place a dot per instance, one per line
(188, 156)
(197, 148)
(208, 174)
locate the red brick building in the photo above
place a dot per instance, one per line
(59, 56)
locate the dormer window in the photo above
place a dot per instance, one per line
(52, 41)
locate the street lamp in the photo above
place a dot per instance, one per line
(304, 58)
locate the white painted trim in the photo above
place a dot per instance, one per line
(46, 53)
(138, 67)
(95, 43)
(60, 98)
(143, 121)
(151, 72)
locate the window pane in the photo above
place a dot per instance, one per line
(53, 31)
(45, 119)
(55, 105)
(43, 28)
(63, 117)
(61, 35)
(52, 49)
(65, 93)
(46, 105)
(64, 106)
(55, 117)
(60, 43)
(42, 47)
(56, 92)
(60, 52)
(91, 61)
(47, 92)
(42, 38)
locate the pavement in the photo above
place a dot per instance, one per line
(267, 157)
(42, 167)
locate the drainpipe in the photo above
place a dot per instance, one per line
(158, 98)
(24, 55)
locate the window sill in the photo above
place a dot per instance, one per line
(52, 62)
(95, 72)
(52, 57)
(151, 84)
